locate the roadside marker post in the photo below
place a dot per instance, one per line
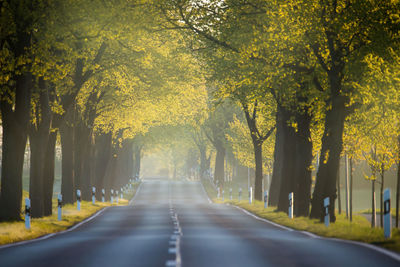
(223, 195)
(218, 194)
(266, 199)
(122, 193)
(387, 218)
(28, 213)
(78, 199)
(326, 205)
(240, 194)
(251, 195)
(94, 195)
(103, 192)
(116, 196)
(59, 205)
(230, 194)
(291, 196)
(112, 196)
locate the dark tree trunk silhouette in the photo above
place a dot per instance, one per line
(48, 173)
(287, 178)
(332, 146)
(219, 163)
(67, 169)
(102, 159)
(257, 140)
(302, 173)
(15, 121)
(39, 133)
(278, 160)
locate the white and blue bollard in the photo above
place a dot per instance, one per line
(28, 213)
(103, 193)
(230, 194)
(59, 205)
(291, 196)
(116, 196)
(250, 195)
(218, 193)
(326, 206)
(265, 199)
(122, 193)
(240, 194)
(223, 195)
(387, 218)
(94, 195)
(112, 196)
(78, 199)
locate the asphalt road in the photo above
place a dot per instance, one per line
(172, 224)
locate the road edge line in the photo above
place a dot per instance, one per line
(391, 254)
(130, 203)
(205, 192)
(47, 236)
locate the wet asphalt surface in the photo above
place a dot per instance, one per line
(173, 223)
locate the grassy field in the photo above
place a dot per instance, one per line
(11, 232)
(359, 229)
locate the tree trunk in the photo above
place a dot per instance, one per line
(398, 193)
(332, 145)
(103, 155)
(15, 123)
(289, 161)
(137, 160)
(351, 188)
(258, 190)
(373, 220)
(79, 146)
(39, 137)
(302, 173)
(219, 164)
(339, 195)
(203, 161)
(83, 160)
(278, 160)
(67, 171)
(48, 174)
(381, 195)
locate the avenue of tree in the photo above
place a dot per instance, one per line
(276, 86)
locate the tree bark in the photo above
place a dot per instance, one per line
(258, 190)
(39, 137)
(373, 220)
(332, 145)
(278, 160)
(15, 121)
(397, 192)
(103, 143)
(219, 163)
(351, 188)
(302, 173)
(382, 172)
(137, 160)
(339, 195)
(67, 170)
(48, 173)
(289, 161)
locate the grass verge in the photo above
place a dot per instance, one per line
(11, 232)
(359, 229)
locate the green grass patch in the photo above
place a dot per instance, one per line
(359, 229)
(11, 232)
